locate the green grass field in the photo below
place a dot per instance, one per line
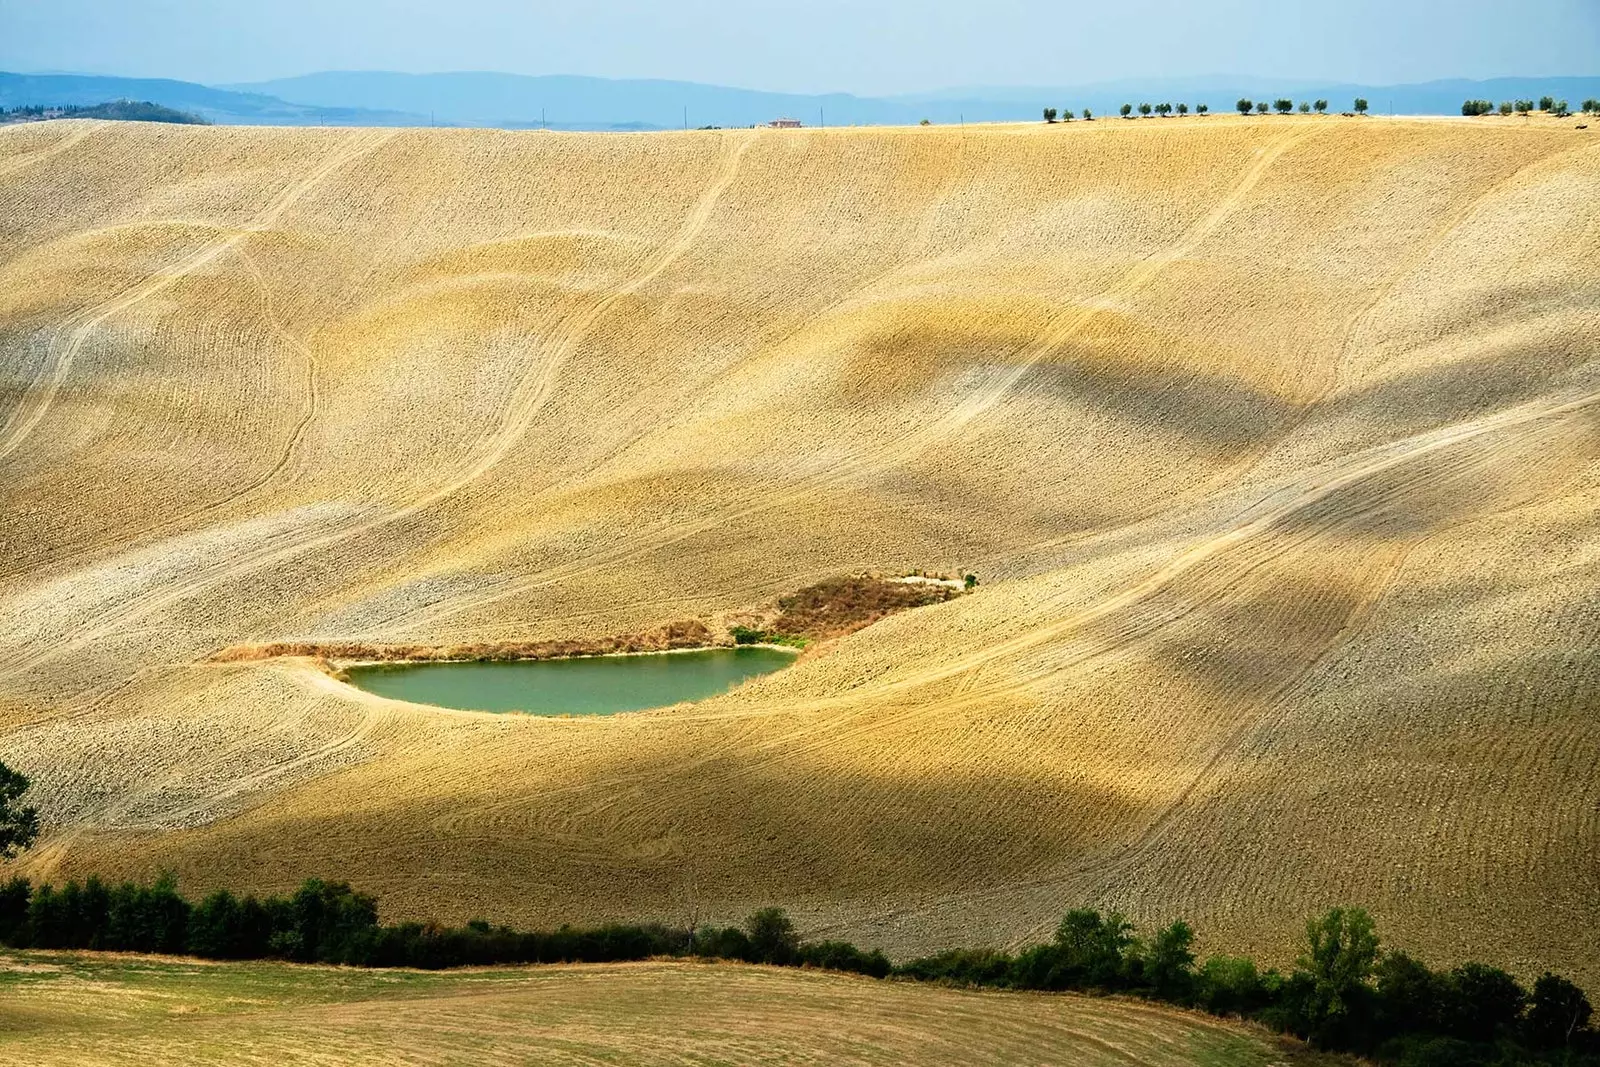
(68, 1008)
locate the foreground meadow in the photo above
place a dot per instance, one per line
(1274, 443)
(62, 1009)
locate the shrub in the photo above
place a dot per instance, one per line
(1558, 1013)
(1409, 997)
(1547, 103)
(726, 943)
(1229, 985)
(1261, 107)
(1305, 108)
(153, 918)
(15, 896)
(1481, 1003)
(1089, 952)
(843, 956)
(1476, 107)
(1505, 107)
(1245, 106)
(962, 966)
(1169, 963)
(1049, 114)
(772, 936)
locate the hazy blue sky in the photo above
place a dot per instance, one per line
(865, 46)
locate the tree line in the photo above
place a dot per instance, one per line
(1344, 993)
(1551, 106)
(122, 110)
(1283, 106)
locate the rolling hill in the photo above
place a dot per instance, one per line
(64, 1010)
(214, 105)
(1274, 443)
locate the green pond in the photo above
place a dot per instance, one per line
(591, 685)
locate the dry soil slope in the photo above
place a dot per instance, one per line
(60, 1010)
(1273, 440)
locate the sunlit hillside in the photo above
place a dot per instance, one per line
(65, 1010)
(1274, 443)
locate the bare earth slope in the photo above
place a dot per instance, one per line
(1274, 443)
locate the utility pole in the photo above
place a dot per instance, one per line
(686, 117)
(541, 120)
(821, 120)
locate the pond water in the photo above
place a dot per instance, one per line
(590, 685)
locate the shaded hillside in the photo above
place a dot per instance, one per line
(1273, 441)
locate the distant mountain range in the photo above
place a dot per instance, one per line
(515, 101)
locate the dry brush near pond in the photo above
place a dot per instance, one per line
(1274, 443)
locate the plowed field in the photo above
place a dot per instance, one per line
(1275, 443)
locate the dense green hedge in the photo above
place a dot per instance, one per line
(1343, 993)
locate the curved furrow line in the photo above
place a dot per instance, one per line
(793, 490)
(28, 159)
(511, 427)
(70, 338)
(1267, 513)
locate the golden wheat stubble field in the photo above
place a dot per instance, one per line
(1273, 441)
(64, 1009)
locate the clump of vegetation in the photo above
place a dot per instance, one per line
(840, 606)
(1245, 106)
(1361, 105)
(117, 110)
(19, 824)
(750, 635)
(1049, 114)
(1472, 108)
